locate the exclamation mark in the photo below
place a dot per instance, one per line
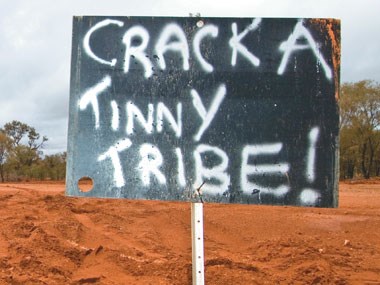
(310, 170)
(309, 197)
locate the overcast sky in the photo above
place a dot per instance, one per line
(35, 46)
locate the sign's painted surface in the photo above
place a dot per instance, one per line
(249, 106)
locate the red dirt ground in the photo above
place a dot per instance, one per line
(47, 238)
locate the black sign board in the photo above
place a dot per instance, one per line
(247, 106)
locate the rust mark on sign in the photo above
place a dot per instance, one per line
(331, 28)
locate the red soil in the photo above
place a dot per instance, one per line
(47, 238)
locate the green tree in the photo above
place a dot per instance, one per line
(5, 146)
(360, 127)
(55, 166)
(17, 131)
(348, 154)
(20, 148)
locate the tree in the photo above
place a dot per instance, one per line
(21, 155)
(17, 131)
(360, 127)
(5, 145)
(348, 154)
(55, 166)
(20, 148)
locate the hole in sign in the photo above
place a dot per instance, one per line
(85, 184)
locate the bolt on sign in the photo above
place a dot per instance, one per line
(247, 106)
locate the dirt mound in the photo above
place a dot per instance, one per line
(47, 238)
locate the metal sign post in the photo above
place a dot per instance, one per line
(197, 243)
(197, 238)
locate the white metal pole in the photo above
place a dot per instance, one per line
(197, 243)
